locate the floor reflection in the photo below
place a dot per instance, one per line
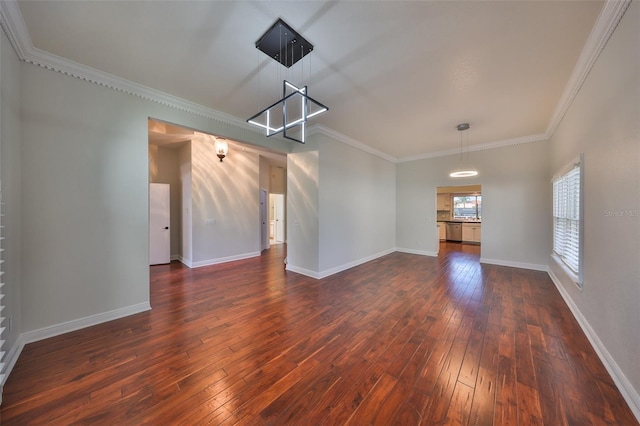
(462, 268)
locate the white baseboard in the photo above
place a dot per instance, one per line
(629, 394)
(218, 260)
(420, 252)
(335, 270)
(12, 357)
(77, 324)
(185, 262)
(349, 265)
(66, 327)
(302, 271)
(175, 257)
(522, 265)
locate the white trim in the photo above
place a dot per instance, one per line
(201, 263)
(568, 272)
(605, 25)
(625, 387)
(13, 24)
(14, 27)
(576, 162)
(185, 262)
(482, 147)
(319, 128)
(420, 252)
(337, 269)
(175, 257)
(349, 265)
(77, 324)
(66, 327)
(511, 264)
(12, 357)
(302, 271)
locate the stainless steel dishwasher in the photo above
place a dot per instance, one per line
(454, 231)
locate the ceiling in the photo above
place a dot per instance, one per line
(398, 76)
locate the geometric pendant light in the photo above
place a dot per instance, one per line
(290, 114)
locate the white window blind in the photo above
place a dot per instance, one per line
(566, 218)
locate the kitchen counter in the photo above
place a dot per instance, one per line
(461, 221)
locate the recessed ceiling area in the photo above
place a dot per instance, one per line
(173, 136)
(398, 76)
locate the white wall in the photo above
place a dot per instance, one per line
(340, 207)
(277, 180)
(302, 209)
(85, 198)
(603, 122)
(357, 201)
(10, 173)
(265, 169)
(225, 204)
(516, 201)
(184, 159)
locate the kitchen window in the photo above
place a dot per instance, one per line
(567, 223)
(467, 207)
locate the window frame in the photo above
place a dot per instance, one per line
(474, 195)
(568, 220)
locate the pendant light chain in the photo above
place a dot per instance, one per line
(258, 101)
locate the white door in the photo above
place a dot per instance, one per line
(264, 226)
(159, 233)
(278, 215)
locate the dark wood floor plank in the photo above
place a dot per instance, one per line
(367, 411)
(403, 339)
(528, 405)
(459, 411)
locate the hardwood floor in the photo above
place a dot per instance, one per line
(404, 339)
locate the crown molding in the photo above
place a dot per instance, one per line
(14, 27)
(320, 129)
(541, 137)
(603, 29)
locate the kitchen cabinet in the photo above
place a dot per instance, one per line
(444, 201)
(442, 230)
(471, 232)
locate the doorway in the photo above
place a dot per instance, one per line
(276, 218)
(459, 217)
(209, 223)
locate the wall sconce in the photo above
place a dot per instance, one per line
(222, 148)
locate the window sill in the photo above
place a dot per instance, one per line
(567, 271)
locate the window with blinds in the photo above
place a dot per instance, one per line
(567, 218)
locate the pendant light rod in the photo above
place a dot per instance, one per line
(463, 171)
